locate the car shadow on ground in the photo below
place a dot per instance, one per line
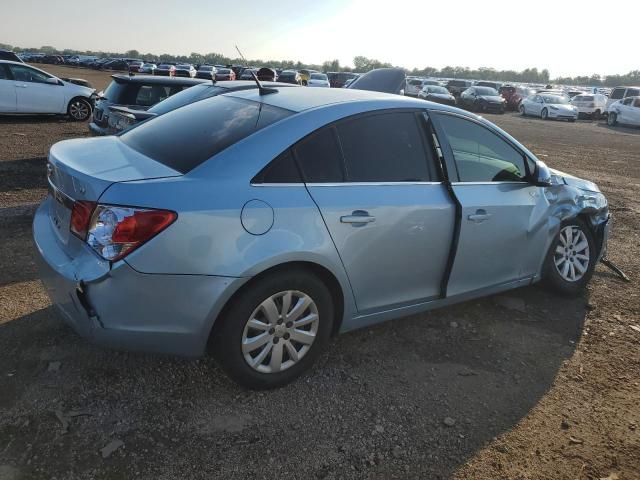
(620, 128)
(23, 174)
(43, 118)
(415, 397)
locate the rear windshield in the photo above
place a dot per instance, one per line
(186, 137)
(129, 93)
(584, 98)
(617, 93)
(486, 91)
(457, 83)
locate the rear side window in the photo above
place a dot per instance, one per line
(617, 94)
(632, 92)
(4, 75)
(319, 157)
(384, 148)
(481, 155)
(282, 169)
(186, 137)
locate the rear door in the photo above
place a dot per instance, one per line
(500, 241)
(7, 91)
(391, 219)
(33, 94)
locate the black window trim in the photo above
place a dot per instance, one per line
(450, 161)
(433, 169)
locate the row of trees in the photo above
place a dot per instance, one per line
(361, 64)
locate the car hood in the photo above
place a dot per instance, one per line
(491, 98)
(79, 89)
(562, 106)
(385, 80)
(446, 96)
(568, 179)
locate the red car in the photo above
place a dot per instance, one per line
(165, 70)
(225, 74)
(515, 94)
(134, 66)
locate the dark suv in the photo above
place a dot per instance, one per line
(12, 57)
(139, 92)
(456, 87)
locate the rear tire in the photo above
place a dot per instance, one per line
(261, 310)
(571, 259)
(596, 115)
(79, 110)
(612, 119)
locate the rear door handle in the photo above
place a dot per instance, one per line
(358, 217)
(479, 217)
(21, 85)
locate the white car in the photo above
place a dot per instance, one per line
(625, 111)
(549, 106)
(25, 89)
(619, 93)
(592, 105)
(318, 80)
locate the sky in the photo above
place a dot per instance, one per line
(492, 33)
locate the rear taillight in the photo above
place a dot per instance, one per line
(114, 232)
(80, 218)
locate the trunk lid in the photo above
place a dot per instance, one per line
(83, 169)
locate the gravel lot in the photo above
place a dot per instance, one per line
(524, 385)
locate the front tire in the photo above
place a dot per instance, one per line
(544, 114)
(523, 112)
(79, 110)
(612, 119)
(571, 259)
(274, 330)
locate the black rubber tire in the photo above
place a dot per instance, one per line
(85, 103)
(544, 114)
(227, 342)
(596, 115)
(522, 110)
(572, 120)
(551, 277)
(612, 119)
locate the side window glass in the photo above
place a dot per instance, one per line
(149, 95)
(282, 169)
(632, 92)
(4, 75)
(636, 103)
(481, 155)
(385, 147)
(319, 157)
(26, 74)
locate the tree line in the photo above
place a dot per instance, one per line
(361, 64)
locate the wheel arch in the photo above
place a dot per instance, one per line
(322, 272)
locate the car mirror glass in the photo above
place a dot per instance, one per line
(542, 175)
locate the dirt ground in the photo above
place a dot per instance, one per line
(525, 385)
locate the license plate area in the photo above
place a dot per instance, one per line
(60, 213)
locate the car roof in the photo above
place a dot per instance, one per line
(300, 99)
(154, 80)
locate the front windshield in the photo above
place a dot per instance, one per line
(434, 89)
(318, 76)
(206, 68)
(486, 91)
(555, 99)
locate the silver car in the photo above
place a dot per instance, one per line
(261, 222)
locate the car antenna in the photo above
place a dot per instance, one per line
(262, 90)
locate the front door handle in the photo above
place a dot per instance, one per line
(479, 217)
(358, 217)
(21, 85)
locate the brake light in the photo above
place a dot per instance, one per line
(114, 231)
(80, 218)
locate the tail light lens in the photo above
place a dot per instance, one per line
(80, 218)
(114, 232)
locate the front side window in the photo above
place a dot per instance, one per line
(481, 155)
(617, 94)
(384, 148)
(23, 73)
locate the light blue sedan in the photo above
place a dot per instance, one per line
(260, 223)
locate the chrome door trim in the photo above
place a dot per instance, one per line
(344, 184)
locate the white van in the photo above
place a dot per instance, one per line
(619, 93)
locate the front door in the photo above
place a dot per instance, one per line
(7, 91)
(33, 94)
(388, 214)
(498, 232)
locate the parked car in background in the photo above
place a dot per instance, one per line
(175, 245)
(347, 83)
(10, 56)
(223, 74)
(135, 66)
(625, 112)
(185, 70)
(123, 118)
(207, 72)
(318, 80)
(413, 87)
(456, 87)
(290, 76)
(165, 70)
(53, 59)
(590, 105)
(148, 68)
(514, 95)
(115, 65)
(618, 93)
(267, 74)
(246, 73)
(437, 94)
(26, 89)
(338, 79)
(549, 106)
(98, 63)
(482, 99)
(139, 91)
(494, 85)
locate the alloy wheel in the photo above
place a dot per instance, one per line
(79, 110)
(572, 254)
(280, 331)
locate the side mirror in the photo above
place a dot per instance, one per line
(53, 81)
(542, 175)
